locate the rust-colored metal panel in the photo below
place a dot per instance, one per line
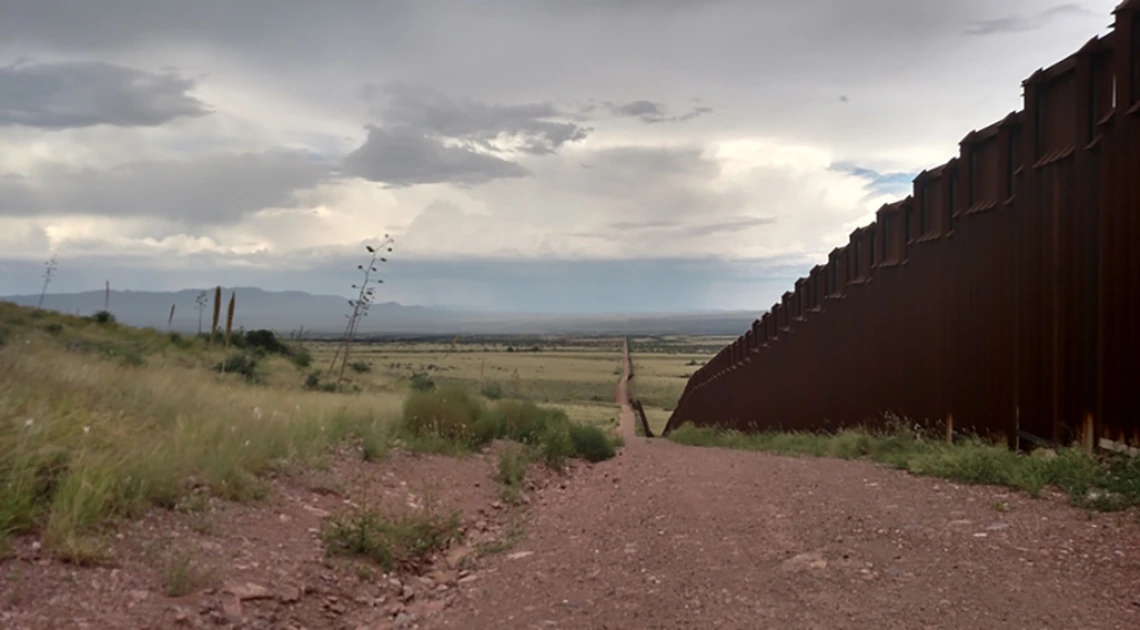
(1004, 292)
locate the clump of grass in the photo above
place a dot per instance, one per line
(449, 413)
(360, 367)
(1107, 484)
(181, 576)
(405, 541)
(510, 473)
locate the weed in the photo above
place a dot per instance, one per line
(394, 542)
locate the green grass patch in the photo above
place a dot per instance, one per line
(1108, 484)
(404, 541)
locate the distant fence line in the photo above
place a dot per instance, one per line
(1002, 296)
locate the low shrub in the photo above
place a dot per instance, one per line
(450, 413)
(302, 358)
(245, 364)
(591, 443)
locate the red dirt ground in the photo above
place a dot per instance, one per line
(662, 536)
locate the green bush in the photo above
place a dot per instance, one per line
(449, 412)
(302, 358)
(556, 445)
(103, 317)
(241, 363)
(591, 443)
(265, 340)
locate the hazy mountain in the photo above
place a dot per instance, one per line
(325, 314)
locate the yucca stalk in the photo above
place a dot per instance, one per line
(230, 319)
(170, 320)
(217, 313)
(360, 305)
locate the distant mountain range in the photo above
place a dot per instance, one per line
(285, 311)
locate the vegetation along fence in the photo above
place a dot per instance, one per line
(1002, 296)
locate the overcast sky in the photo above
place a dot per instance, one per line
(534, 155)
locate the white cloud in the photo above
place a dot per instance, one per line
(491, 129)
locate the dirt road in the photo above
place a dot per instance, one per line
(666, 536)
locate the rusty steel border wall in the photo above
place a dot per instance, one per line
(1001, 297)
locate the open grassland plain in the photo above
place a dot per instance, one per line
(575, 374)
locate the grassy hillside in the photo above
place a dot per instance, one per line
(100, 421)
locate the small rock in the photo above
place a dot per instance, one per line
(249, 590)
(808, 560)
(408, 593)
(404, 619)
(232, 608)
(446, 577)
(290, 595)
(467, 579)
(518, 555)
